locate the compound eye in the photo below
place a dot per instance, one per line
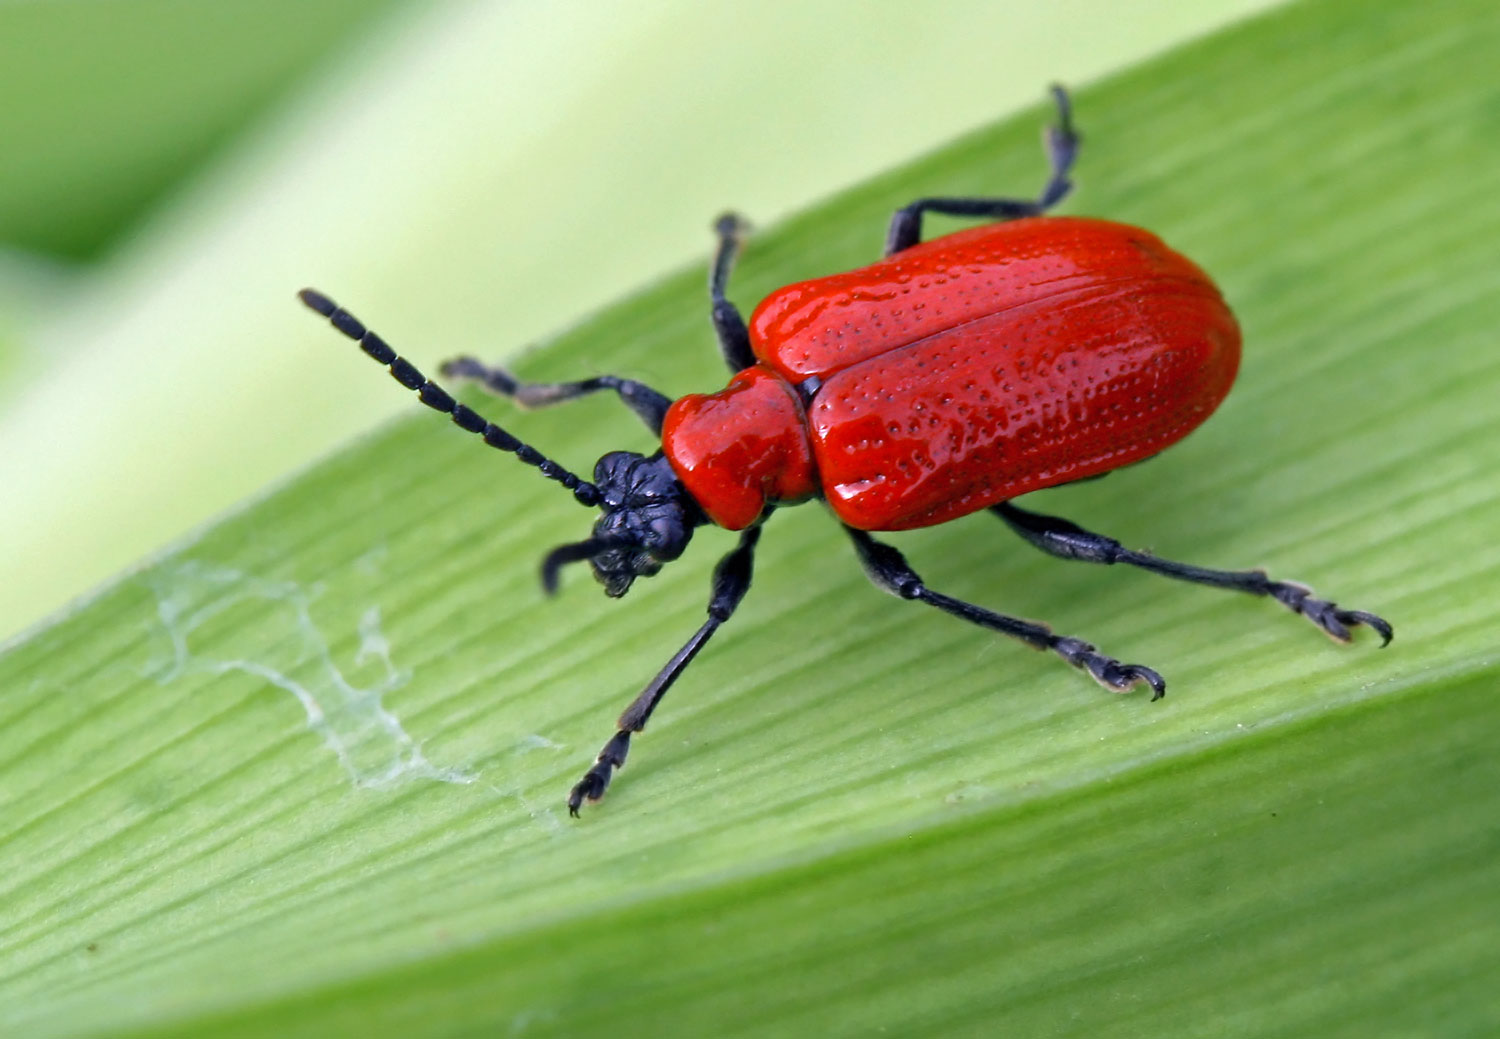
(667, 536)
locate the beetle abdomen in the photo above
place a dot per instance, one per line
(1063, 387)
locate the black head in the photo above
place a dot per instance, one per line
(647, 522)
(648, 514)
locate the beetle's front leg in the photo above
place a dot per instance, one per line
(648, 404)
(730, 583)
(888, 569)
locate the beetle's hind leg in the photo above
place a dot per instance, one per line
(729, 326)
(888, 569)
(1062, 148)
(1059, 537)
(649, 405)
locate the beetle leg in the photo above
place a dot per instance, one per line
(1062, 148)
(888, 569)
(731, 581)
(1059, 537)
(729, 326)
(649, 405)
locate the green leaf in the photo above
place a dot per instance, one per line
(304, 774)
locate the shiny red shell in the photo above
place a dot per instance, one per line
(959, 373)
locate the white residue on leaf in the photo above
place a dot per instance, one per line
(276, 640)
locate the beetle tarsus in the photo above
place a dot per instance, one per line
(731, 225)
(1326, 614)
(590, 788)
(1108, 671)
(596, 780)
(1062, 148)
(493, 378)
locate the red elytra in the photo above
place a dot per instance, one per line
(960, 373)
(949, 377)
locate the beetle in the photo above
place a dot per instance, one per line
(953, 375)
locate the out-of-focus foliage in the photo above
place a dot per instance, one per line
(108, 105)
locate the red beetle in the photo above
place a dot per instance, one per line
(949, 377)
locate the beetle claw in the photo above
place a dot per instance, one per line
(1326, 614)
(590, 788)
(1107, 671)
(596, 780)
(1133, 674)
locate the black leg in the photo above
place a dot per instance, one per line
(1062, 147)
(730, 582)
(1059, 537)
(734, 337)
(888, 569)
(647, 403)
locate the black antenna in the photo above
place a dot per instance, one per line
(439, 399)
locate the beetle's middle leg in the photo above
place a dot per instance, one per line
(648, 404)
(1059, 537)
(1062, 148)
(888, 569)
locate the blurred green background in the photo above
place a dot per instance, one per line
(486, 173)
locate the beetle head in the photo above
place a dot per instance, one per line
(647, 521)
